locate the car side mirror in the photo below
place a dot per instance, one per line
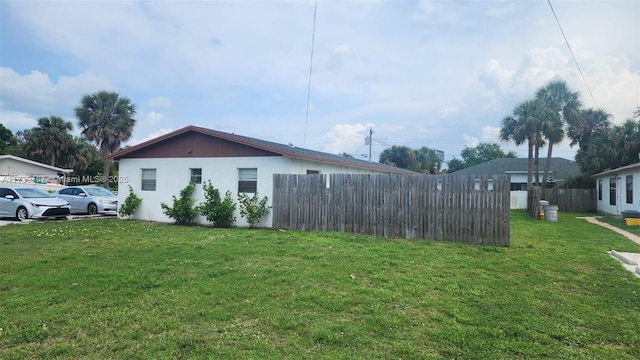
(10, 197)
(83, 194)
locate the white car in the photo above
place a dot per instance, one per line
(89, 199)
(31, 203)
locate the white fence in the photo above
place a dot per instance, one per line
(518, 199)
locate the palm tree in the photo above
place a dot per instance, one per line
(428, 160)
(583, 128)
(50, 139)
(559, 104)
(522, 126)
(106, 120)
(400, 156)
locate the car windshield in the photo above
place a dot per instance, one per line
(32, 193)
(98, 191)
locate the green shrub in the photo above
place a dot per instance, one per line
(217, 211)
(183, 210)
(130, 204)
(253, 208)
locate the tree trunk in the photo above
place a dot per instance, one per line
(547, 164)
(105, 175)
(537, 165)
(530, 166)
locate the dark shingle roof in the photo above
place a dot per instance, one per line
(286, 151)
(562, 168)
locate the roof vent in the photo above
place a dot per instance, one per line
(291, 144)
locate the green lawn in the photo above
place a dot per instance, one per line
(103, 288)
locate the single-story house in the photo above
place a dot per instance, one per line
(159, 168)
(517, 168)
(615, 190)
(15, 170)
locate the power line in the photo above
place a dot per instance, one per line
(572, 54)
(313, 39)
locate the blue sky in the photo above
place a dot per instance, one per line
(420, 73)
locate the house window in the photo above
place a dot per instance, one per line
(247, 180)
(600, 189)
(195, 176)
(313, 172)
(612, 191)
(148, 180)
(518, 186)
(629, 189)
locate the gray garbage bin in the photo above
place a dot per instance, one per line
(551, 213)
(541, 205)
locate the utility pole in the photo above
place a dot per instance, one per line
(370, 142)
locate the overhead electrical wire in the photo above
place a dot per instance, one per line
(572, 54)
(313, 39)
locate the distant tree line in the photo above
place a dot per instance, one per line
(106, 120)
(424, 160)
(555, 112)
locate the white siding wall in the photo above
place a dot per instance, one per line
(172, 175)
(621, 193)
(19, 168)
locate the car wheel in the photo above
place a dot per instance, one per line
(92, 209)
(22, 214)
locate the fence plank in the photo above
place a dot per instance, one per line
(450, 208)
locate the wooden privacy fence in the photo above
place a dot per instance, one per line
(452, 207)
(568, 200)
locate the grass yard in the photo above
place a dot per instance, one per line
(103, 288)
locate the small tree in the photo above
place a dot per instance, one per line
(253, 208)
(130, 204)
(183, 210)
(217, 211)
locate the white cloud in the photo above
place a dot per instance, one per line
(490, 134)
(160, 101)
(135, 140)
(449, 111)
(470, 141)
(17, 121)
(346, 138)
(153, 117)
(615, 87)
(36, 91)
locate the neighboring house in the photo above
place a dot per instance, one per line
(15, 170)
(159, 168)
(559, 170)
(615, 190)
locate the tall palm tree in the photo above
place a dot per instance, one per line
(522, 126)
(106, 120)
(50, 139)
(559, 104)
(583, 128)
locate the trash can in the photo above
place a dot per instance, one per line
(551, 213)
(541, 206)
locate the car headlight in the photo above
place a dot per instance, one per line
(35, 205)
(107, 202)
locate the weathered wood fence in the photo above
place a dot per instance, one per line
(568, 200)
(450, 208)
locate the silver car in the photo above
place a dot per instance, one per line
(89, 199)
(31, 203)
